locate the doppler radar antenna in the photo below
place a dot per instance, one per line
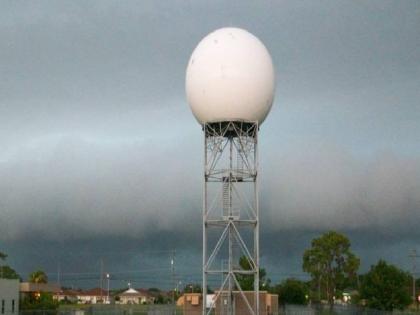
(230, 89)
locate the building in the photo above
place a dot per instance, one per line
(180, 301)
(29, 288)
(133, 296)
(93, 296)
(239, 304)
(66, 295)
(9, 296)
(192, 303)
(272, 304)
(348, 294)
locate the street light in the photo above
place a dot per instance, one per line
(173, 282)
(107, 278)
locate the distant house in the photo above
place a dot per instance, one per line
(133, 296)
(93, 296)
(66, 295)
(9, 296)
(348, 294)
(29, 288)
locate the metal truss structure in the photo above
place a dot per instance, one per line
(230, 216)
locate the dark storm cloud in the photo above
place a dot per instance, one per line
(325, 187)
(143, 187)
(82, 189)
(97, 144)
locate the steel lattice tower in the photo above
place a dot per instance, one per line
(231, 214)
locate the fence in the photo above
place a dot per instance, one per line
(169, 310)
(109, 310)
(338, 310)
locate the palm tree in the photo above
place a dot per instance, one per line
(38, 277)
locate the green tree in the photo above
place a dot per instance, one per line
(38, 277)
(292, 291)
(160, 299)
(155, 290)
(385, 287)
(330, 263)
(3, 257)
(417, 287)
(247, 281)
(9, 273)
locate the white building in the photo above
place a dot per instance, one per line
(93, 296)
(132, 296)
(9, 296)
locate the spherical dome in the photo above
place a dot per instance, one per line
(230, 77)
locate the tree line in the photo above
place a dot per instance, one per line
(333, 270)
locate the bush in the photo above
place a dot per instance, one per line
(42, 301)
(292, 291)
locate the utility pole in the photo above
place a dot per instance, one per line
(173, 281)
(101, 276)
(178, 285)
(58, 275)
(107, 298)
(413, 255)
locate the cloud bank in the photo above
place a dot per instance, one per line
(82, 189)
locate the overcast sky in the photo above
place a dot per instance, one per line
(100, 156)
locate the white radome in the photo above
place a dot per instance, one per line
(230, 77)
